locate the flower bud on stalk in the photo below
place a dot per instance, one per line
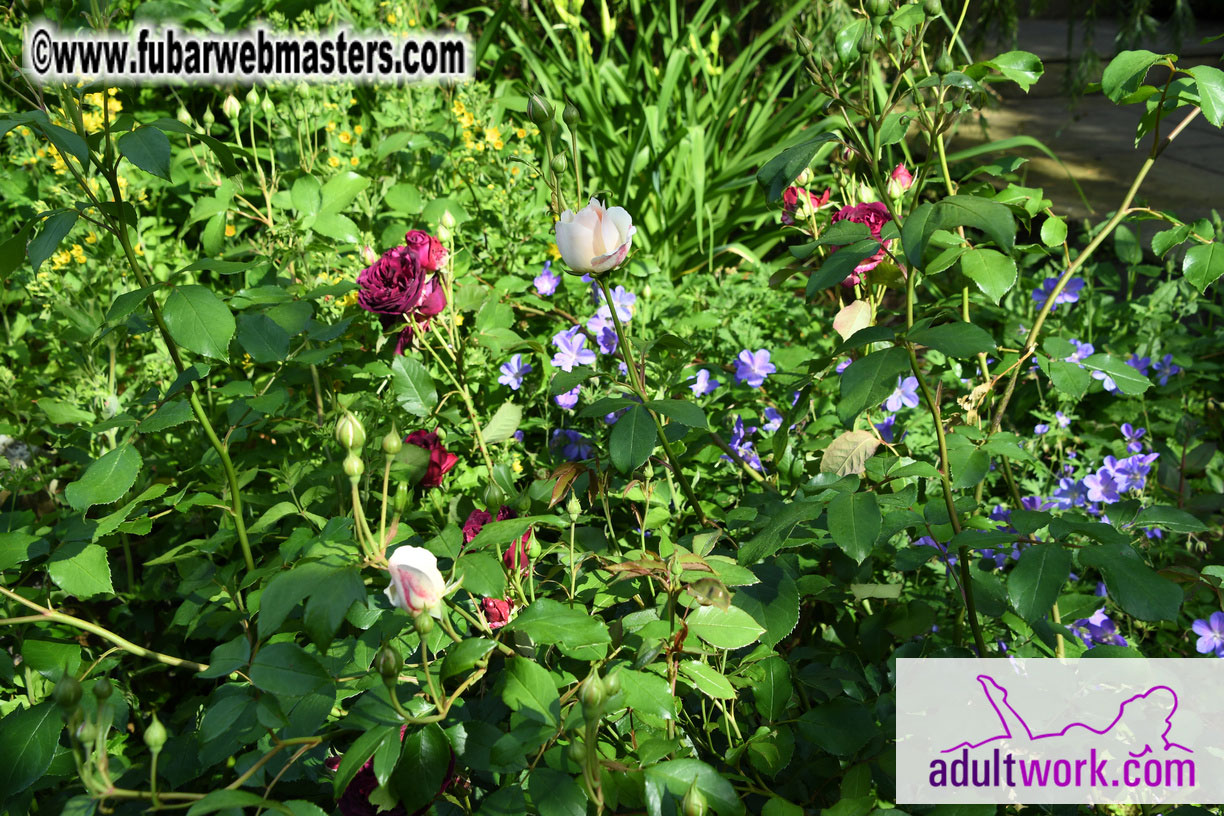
(349, 431)
(694, 803)
(570, 114)
(538, 110)
(592, 697)
(353, 466)
(401, 497)
(388, 663)
(577, 751)
(252, 97)
(267, 106)
(67, 693)
(209, 117)
(803, 45)
(391, 443)
(423, 623)
(102, 689)
(447, 220)
(155, 736)
(231, 106)
(559, 163)
(183, 116)
(805, 178)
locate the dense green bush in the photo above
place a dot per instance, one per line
(330, 488)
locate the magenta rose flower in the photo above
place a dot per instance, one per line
(874, 215)
(440, 459)
(393, 285)
(476, 520)
(791, 197)
(427, 250)
(497, 611)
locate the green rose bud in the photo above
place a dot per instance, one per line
(878, 8)
(570, 115)
(423, 623)
(695, 802)
(592, 695)
(349, 431)
(402, 493)
(183, 116)
(87, 732)
(533, 551)
(538, 110)
(353, 466)
(231, 106)
(559, 163)
(252, 97)
(209, 117)
(932, 8)
(392, 443)
(803, 45)
(155, 735)
(67, 692)
(612, 683)
(944, 64)
(577, 751)
(102, 689)
(388, 663)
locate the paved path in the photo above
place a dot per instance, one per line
(1096, 139)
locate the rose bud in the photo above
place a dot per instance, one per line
(416, 585)
(155, 736)
(349, 431)
(353, 466)
(391, 443)
(231, 106)
(67, 692)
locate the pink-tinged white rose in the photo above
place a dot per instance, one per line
(900, 181)
(416, 585)
(594, 239)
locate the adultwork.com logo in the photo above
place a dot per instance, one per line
(1050, 731)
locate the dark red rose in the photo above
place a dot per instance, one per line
(475, 521)
(440, 459)
(393, 285)
(506, 512)
(790, 201)
(433, 299)
(497, 611)
(428, 250)
(516, 555)
(874, 215)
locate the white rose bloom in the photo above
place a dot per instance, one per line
(594, 239)
(416, 585)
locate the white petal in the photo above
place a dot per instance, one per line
(623, 222)
(574, 244)
(609, 236)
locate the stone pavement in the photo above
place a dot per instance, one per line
(1096, 139)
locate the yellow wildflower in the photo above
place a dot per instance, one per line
(345, 137)
(330, 127)
(358, 129)
(332, 161)
(353, 161)
(230, 232)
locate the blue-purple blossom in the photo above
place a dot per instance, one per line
(513, 372)
(1069, 493)
(1063, 420)
(905, 395)
(1132, 435)
(622, 299)
(569, 399)
(1165, 368)
(753, 367)
(794, 399)
(1069, 294)
(1032, 503)
(1082, 352)
(1140, 364)
(546, 282)
(571, 444)
(704, 384)
(928, 541)
(1211, 634)
(517, 435)
(1101, 590)
(843, 365)
(601, 327)
(1098, 629)
(1041, 429)
(738, 442)
(773, 420)
(572, 353)
(1106, 381)
(1102, 487)
(885, 428)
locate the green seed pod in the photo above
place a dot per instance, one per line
(570, 114)
(155, 735)
(695, 802)
(559, 163)
(353, 466)
(102, 689)
(349, 431)
(944, 64)
(67, 692)
(803, 45)
(538, 110)
(932, 8)
(392, 443)
(878, 8)
(388, 663)
(592, 697)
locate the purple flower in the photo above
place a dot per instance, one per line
(1102, 487)
(753, 367)
(794, 399)
(1211, 634)
(1069, 294)
(843, 365)
(518, 435)
(1101, 590)
(1069, 493)
(928, 541)
(885, 428)
(1041, 429)
(1140, 364)
(513, 372)
(546, 282)
(573, 445)
(1132, 435)
(1165, 368)
(905, 395)
(773, 420)
(571, 343)
(1098, 629)
(1063, 420)
(569, 399)
(622, 299)
(1082, 351)
(603, 330)
(1131, 473)
(1031, 503)
(704, 385)
(738, 442)
(1106, 380)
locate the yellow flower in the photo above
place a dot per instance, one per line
(345, 137)
(330, 127)
(499, 144)
(514, 171)
(91, 238)
(358, 129)
(517, 465)
(459, 320)
(553, 252)
(411, 22)
(332, 161)
(140, 250)
(230, 232)
(353, 161)
(522, 134)
(392, 19)
(492, 135)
